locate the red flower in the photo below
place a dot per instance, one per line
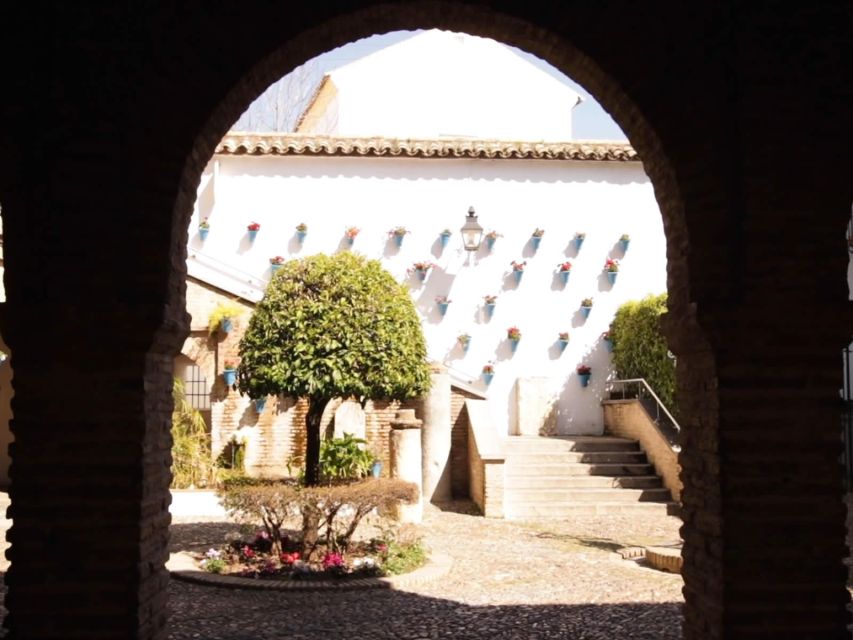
(254, 226)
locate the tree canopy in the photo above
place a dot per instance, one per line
(333, 326)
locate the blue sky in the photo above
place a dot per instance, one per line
(589, 120)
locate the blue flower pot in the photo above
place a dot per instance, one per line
(534, 242)
(300, 236)
(349, 241)
(442, 307)
(230, 376)
(202, 233)
(444, 240)
(465, 346)
(563, 344)
(490, 309)
(487, 378)
(274, 267)
(226, 324)
(513, 344)
(260, 403)
(564, 276)
(376, 469)
(584, 379)
(608, 344)
(624, 244)
(252, 233)
(611, 276)
(585, 311)
(421, 274)
(490, 243)
(518, 274)
(578, 243)
(398, 240)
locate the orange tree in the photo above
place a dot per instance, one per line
(333, 327)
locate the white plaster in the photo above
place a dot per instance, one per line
(349, 418)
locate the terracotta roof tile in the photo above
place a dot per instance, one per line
(260, 144)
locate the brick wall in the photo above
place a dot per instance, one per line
(459, 481)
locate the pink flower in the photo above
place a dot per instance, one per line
(333, 560)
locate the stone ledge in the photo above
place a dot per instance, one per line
(183, 567)
(665, 558)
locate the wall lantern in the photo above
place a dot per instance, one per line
(472, 232)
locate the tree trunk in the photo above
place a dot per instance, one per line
(312, 442)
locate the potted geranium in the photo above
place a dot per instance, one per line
(611, 268)
(518, 269)
(608, 341)
(203, 229)
(444, 237)
(536, 237)
(301, 231)
(397, 234)
(275, 263)
(579, 238)
(490, 301)
(442, 302)
(624, 241)
(584, 373)
(563, 339)
(420, 269)
(464, 341)
(586, 307)
(488, 372)
(491, 236)
(252, 231)
(229, 372)
(564, 269)
(350, 234)
(513, 334)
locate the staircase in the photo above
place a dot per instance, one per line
(564, 476)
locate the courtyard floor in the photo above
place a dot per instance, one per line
(531, 580)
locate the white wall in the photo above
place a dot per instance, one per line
(512, 196)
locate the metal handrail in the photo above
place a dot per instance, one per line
(669, 426)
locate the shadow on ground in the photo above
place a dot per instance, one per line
(213, 613)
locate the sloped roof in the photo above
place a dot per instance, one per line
(263, 144)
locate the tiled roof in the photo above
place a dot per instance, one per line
(262, 144)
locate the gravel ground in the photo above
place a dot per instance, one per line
(533, 580)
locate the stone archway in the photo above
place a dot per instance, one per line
(752, 184)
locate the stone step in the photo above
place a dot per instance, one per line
(584, 481)
(546, 511)
(514, 495)
(566, 444)
(531, 469)
(588, 457)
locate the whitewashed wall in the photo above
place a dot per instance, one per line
(604, 200)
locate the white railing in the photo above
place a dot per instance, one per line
(638, 388)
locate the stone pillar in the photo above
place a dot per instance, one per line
(406, 461)
(435, 437)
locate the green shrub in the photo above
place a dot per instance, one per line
(191, 458)
(403, 558)
(639, 348)
(344, 458)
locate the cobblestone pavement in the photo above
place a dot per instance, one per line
(536, 580)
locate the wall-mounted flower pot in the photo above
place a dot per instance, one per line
(487, 378)
(564, 276)
(226, 324)
(202, 233)
(442, 307)
(230, 376)
(624, 245)
(585, 311)
(490, 243)
(444, 239)
(513, 344)
(465, 346)
(490, 309)
(274, 267)
(376, 469)
(563, 344)
(300, 236)
(398, 240)
(611, 276)
(608, 344)
(260, 403)
(534, 242)
(518, 273)
(584, 379)
(252, 233)
(421, 274)
(578, 243)
(349, 241)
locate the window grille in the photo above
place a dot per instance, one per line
(195, 388)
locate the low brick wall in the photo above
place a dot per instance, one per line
(628, 419)
(485, 461)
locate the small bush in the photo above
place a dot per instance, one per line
(344, 459)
